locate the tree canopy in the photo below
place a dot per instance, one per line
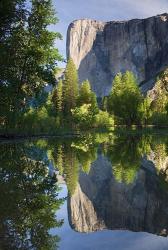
(28, 57)
(125, 98)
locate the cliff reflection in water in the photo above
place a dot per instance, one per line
(114, 181)
(126, 187)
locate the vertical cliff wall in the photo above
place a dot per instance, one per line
(102, 49)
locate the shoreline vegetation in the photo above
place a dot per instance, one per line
(71, 108)
(150, 129)
(73, 155)
(27, 109)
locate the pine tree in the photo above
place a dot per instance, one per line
(117, 87)
(57, 98)
(84, 93)
(87, 96)
(132, 98)
(70, 88)
(117, 84)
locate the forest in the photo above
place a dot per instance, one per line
(29, 62)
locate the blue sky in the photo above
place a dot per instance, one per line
(106, 10)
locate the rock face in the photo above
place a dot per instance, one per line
(101, 202)
(102, 49)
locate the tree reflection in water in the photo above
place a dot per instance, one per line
(125, 152)
(126, 187)
(29, 194)
(28, 199)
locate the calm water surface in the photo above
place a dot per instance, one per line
(100, 191)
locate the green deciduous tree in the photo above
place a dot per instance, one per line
(84, 116)
(28, 57)
(104, 120)
(125, 98)
(87, 107)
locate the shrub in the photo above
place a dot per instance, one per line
(83, 116)
(104, 120)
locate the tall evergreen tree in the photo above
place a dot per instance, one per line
(84, 93)
(57, 98)
(87, 96)
(70, 87)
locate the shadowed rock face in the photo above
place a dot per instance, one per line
(102, 49)
(100, 202)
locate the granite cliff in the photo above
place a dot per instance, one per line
(102, 49)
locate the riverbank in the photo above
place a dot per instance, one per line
(70, 134)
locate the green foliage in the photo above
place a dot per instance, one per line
(71, 169)
(56, 156)
(83, 116)
(125, 152)
(28, 56)
(87, 114)
(40, 99)
(63, 156)
(70, 88)
(125, 155)
(145, 110)
(59, 163)
(86, 96)
(24, 104)
(105, 103)
(37, 121)
(104, 120)
(57, 98)
(86, 149)
(160, 101)
(166, 108)
(28, 199)
(87, 158)
(125, 98)
(28, 62)
(159, 119)
(84, 93)
(161, 93)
